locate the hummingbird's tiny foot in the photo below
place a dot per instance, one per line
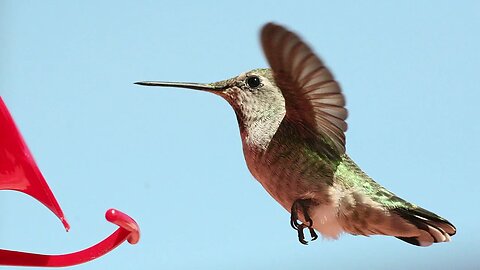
(302, 205)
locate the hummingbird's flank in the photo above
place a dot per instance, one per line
(292, 124)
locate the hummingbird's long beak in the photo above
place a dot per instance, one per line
(196, 86)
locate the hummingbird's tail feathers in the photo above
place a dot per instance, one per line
(369, 218)
(431, 227)
(435, 220)
(411, 224)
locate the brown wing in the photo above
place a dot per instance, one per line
(312, 96)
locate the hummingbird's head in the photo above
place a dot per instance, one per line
(253, 95)
(298, 89)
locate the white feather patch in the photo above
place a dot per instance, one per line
(325, 221)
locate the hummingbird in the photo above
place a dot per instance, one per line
(292, 121)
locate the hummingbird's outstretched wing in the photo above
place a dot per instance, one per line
(312, 96)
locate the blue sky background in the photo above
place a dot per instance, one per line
(172, 158)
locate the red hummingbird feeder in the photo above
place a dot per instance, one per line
(19, 172)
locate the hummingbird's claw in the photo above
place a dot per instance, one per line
(301, 236)
(313, 234)
(302, 205)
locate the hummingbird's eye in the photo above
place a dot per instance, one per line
(253, 81)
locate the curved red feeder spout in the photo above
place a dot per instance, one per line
(18, 171)
(128, 230)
